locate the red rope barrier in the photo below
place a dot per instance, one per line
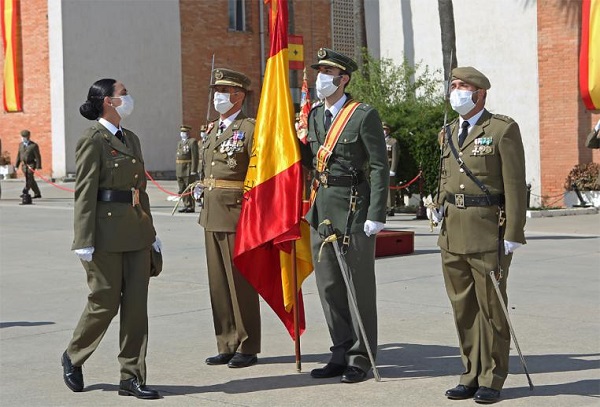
(47, 181)
(409, 183)
(162, 189)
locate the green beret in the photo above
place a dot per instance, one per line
(228, 77)
(328, 57)
(25, 133)
(471, 76)
(185, 128)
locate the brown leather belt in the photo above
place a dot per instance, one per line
(110, 195)
(465, 201)
(212, 183)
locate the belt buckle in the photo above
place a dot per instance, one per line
(323, 176)
(210, 183)
(135, 196)
(459, 200)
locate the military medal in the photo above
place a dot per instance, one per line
(231, 162)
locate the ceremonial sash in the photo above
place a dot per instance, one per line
(334, 133)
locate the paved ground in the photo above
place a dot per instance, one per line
(554, 299)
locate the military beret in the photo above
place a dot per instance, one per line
(328, 57)
(25, 133)
(471, 76)
(228, 77)
(185, 128)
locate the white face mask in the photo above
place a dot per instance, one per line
(222, 102)
(325, 86)
(126, 106)
(461, 101)
(183, 135)
(25, 140)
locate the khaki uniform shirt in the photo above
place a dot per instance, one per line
(361, 146)
(225, 158)
(187, 157)
(103, 162)
(493, 151)
(29, 155)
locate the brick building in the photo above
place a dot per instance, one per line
(162, 50)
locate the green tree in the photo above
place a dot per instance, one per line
(411, 100)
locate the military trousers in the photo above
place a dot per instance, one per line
(235, 305)
(348, 348)
(117, 281)
(30, 182)
(392, 193)
(483, 331)
(188, 200)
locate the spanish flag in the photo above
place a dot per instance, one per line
(270, 221)
(10, 96)
(589, 57)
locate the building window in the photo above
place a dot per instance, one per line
(237, 15)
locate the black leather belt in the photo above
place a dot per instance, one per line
(464, 201)
(110, 195)
(327, 180)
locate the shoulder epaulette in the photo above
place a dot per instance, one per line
(503, 118)
(251, 120)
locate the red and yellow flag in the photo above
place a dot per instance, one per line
(304, 111)
(11, 97)
(589, 57)
(296, 51)
(271, 211)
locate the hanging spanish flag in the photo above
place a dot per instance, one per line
(589, 59)
(304, 110)
(296, 51)
(270, 221)
(10, 96)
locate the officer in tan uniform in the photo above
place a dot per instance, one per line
(114, 235)
(355, 170)
(225, 159)
(186, 167)
(393, 151)
(29, 155)
(483, 224)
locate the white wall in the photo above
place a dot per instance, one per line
(497, 37)
(134, 41)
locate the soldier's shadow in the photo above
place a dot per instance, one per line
(402, 361)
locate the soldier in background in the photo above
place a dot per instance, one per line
(29, 155)
(484, 203)
(225, 160)
(186, 167)
(393, 152)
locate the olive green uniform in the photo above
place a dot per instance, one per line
(30, 156)
(235, 305)
(361, 147)
(393, 152)
(122, 235)
(469, 239)
(186, 168)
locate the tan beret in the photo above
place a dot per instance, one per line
(471, 76)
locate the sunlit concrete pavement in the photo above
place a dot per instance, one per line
(554, 290)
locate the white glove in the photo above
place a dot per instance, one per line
(597, 128)
(157, 245)
(435, 214)
(510, 247)
(85, 253)
(372, 227)
(392, 174)
(197, 192)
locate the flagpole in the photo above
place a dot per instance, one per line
(296, 310)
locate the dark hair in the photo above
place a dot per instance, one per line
(92, 108)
